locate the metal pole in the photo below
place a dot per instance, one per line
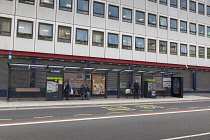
(142, 86)
(194, 79)
(8, 83)
(106, 83)
(118, 85)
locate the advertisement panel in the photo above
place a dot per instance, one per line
(98, 86)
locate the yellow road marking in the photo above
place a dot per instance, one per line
(5, 119)
(149, 106)
(146, 110)
(114, 112)
(81, 114)
(171, 108)
(194, 107)
(43, 117)
(119, 108)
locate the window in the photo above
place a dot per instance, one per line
(47, 3)
(127, 42)
(153, 0)
(83, 7)
(27, 1)
(127, 15)
(183, 26)
(193, 28)
(201, 52)
(139, 44)
(113, 12)
(98, 39)
(201, 30)
(208, 53)
(64, 34)
(65, 5)
(173, 3)
(192, 51)
(112, 40)
(151, 45)
(173, 24)
(164, 2)
(208, 31)
(200, 8)
(163, 22)
(45, 32)
(173, 48)
(208, 10)
(5, 26)
(183, 4)
(82, 36)
(163, 47)
(25, 29)
(98, 9)
(183, 49)
(152, 20)
(193, 6)
(140, 17)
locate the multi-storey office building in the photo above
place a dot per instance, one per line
(156, 35)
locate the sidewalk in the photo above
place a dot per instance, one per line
(15, 104)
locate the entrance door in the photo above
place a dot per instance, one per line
(98, 84)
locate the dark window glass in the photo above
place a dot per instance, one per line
(45, 32)
(83, 6)
(98, 39)
(113, 12)
(192, 51)
(82, 36)
(47, 3)
(163, 47)
(200, 8)
(163, 22)
(208, 10)
(208, 53)
(139, 44)
(164, 2)
(153, 0)
(127, 15)
(5, 26)
(208, 31)
(193, 6)
(127, 42)
(183, 49)
(173, 3)
(183, 4)
(98, 9)
(27, 1)
(201, 30)
(140, 17)
(173, 48)
(65, 5)
(152, 20)
(193, 28)
(173, 24)
(201, 52)
(183, 26)
(25, 29)
(64, 34)
(112, 40)
(151, 45)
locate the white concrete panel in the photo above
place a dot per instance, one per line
(7, 7)
(201, 40)
(113, 25)
(96, 51)
(173, 59)
(114, 1)
(139, 29)
(64, 16)
(192, 61)
(126, 54)
(183, 60)
(183, 37)
(201, 62)
(127, 2)
(126, 27)
(139, 55)
(42, 45)
(183, 14)
(174, 12)
(162, 58)
(22, 8)
(49, 14)
(141, 4)
(82, 19)
(173, 35)
(81, 50)
(207, 62)
(207, 41)
(202, 18)
(112, 53)
(152, 31)
(162, 33)
(192, 17)
(98, 22)
(192, 38)
(151, 57)
(162, 9)
(151, 6)
(207, 21)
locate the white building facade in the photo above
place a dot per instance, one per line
(145, 33)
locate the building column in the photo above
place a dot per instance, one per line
(130, 84)
(118, 85)
(194, 80)
(33, 73)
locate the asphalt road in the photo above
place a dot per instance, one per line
(119, 122)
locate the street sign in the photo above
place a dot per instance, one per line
(10, 55)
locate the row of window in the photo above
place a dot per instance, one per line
(25, 30)
(184, 5)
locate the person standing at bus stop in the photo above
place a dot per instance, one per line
(136, 89)
(67, 89)
(153, 86)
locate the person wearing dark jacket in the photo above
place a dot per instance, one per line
(136, 89)
(86, 91)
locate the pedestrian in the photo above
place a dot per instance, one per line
(86, 91)
(67, 89)
(136, 89)
(153, 86)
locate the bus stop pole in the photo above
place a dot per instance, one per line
(106, 83)
(118, 85)
(8, 83)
